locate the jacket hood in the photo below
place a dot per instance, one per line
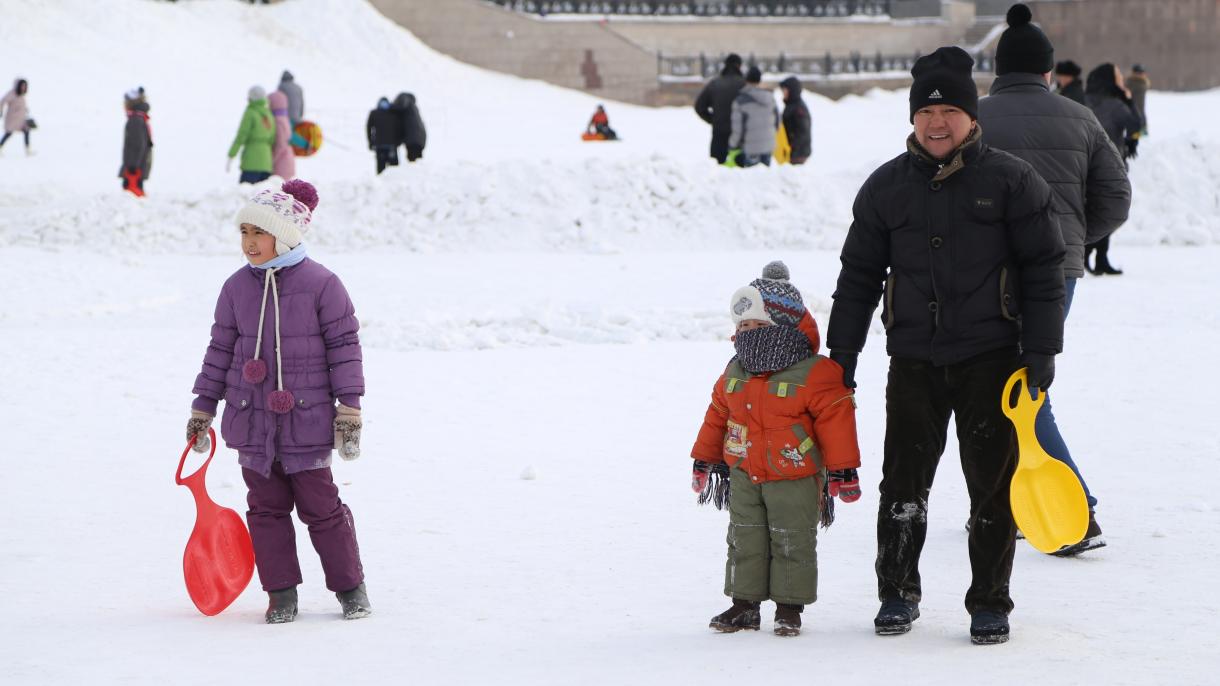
(277, 100)
(404, 100)
(286, 76)
(793, 85)
(757, 94)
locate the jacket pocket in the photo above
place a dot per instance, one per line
(1010, 307)
(312, 420)
(887, 302)
(238, 416)
(792, 452)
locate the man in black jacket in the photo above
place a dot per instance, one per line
(1067, 76)
(715, 104)
(1091, 195)
(384, 131)
(960, 240)
(796, 121)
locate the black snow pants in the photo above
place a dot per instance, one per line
(919, 400)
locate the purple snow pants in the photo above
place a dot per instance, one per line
(331, 529)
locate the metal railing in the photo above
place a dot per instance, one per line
(701, 67)
(692, 8)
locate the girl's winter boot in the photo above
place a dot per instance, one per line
(743, 615)
(355, 603)
(283, 606)
(788, 619)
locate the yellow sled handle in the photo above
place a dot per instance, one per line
(1026, 409)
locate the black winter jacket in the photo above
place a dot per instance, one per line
(796, 119)
(715, 103)
(137, 143)
(414, 135)
(384, 128)
(1117, 116)
(1069, 150)
(1073, 91)
(966, 254)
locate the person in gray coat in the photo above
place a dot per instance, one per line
(754, 119)
(1065, 144)
(296, 99)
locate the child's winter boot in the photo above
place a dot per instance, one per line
(743, 615)
(1092, 540)
(895, 616)
(988, 627)
(283, 606)
(788, 619)
(355, 603)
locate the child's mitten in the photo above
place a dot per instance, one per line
(845, 484)
(197, 428)
(347, 432)
(711, 482)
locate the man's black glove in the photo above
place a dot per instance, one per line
(1041, 370)
(847, 361)
(1132, 144)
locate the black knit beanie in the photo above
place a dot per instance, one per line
(945, 78)
(1068, 68)
(1023, 47)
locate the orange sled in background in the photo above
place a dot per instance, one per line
(219, 558)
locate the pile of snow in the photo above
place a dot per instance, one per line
(504, 169)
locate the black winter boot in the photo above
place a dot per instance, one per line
(743, 615)
(895, 616)
(788, 619)
(282, 607)
(355, 603)
(1092, 540)
(988, 627)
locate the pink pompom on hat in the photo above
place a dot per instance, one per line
(283, 213)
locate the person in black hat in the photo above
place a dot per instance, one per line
(959, 240)
(715, 105)
(1069, 148)
(1067, 76)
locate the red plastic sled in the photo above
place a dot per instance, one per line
(219, 558)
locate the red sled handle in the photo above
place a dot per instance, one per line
(196, 479)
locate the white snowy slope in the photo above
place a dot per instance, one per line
(542, 324)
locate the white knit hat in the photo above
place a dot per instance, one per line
(256, 93)
(283, 213)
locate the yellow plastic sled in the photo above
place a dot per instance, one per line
(783, 151)
(1048, 502)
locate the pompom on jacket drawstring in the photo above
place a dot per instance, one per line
(254, 370)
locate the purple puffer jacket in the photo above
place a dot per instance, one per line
(321, 358)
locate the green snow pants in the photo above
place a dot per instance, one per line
(773, 539)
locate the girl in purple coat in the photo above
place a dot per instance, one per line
(284, 349)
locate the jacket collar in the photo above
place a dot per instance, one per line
(1019, 81)
(966, 153)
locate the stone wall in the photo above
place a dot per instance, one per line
(1177, 41)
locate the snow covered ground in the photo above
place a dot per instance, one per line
(542, 321)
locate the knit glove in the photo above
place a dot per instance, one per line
(844, 484)
(1041, 370)
(347, 432)
(197, 429)
(847, 361)
(711, 482)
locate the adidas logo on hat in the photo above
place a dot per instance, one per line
(935, 95)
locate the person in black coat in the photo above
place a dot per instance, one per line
(715, 105)
(137, 143)
(414, 135)
(959, 240)
(1067, 75)
(796, 120)
(1116, 112)
(384, 131)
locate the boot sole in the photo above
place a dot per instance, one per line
(787, 632)
(281, 619)
(988, 640)
(730, 629)
(1081, 547)
(892, 629)
(358, 614)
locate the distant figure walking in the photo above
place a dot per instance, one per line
(715, 104)
(137, 143)
(384, 131)
(754, 119)
(17, 114)
(797, 124)
(1067, 76)
(1138, 84)
(414, 135)
(283, 161)
(296, 98)
(254, 140)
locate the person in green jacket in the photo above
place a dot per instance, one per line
(254, 139)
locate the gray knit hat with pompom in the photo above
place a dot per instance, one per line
(770, 298)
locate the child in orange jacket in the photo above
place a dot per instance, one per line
(780, 433)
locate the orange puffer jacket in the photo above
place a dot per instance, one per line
(788, 424)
